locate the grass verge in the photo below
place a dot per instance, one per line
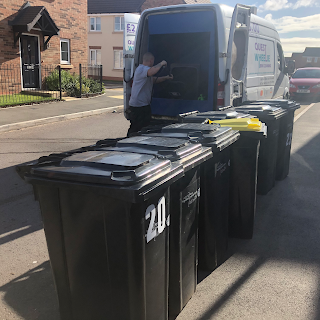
(19, 99)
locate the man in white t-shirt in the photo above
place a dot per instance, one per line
(139, 111)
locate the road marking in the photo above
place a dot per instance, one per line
(303, 112)
(116, 97)
(14, 231)
(116, 89)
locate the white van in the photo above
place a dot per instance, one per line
(211, 66)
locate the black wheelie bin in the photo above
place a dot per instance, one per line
(184, 208)
(214, 197)
(244, 170)
(271, 116)
(244, 165)
(285, 134)
(106, 216)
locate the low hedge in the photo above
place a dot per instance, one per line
(70, 83)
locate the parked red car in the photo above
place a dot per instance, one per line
(305, 83)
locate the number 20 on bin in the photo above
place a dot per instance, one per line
(156, 213)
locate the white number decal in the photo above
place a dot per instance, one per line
(155, 228)
(152, 231)
(161, 215)
(289, 139)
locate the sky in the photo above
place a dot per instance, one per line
(297, 21)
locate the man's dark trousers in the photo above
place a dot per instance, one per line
(139, 117)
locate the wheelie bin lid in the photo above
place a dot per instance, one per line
(53, 158)
(189, 127)
(217, 140)
(188, 153)
(284, 104)
(263, 112)
(108, 142)
(128, 176)
(198, 117)
(213, 136)
(243, 125)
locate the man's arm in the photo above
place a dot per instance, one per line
(161, 79)
(153, 70)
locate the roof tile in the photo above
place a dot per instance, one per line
(114, 6)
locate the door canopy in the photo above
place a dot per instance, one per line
(33, 17)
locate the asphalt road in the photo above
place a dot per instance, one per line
(26, 286)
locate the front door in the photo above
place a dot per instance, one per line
(30, 61)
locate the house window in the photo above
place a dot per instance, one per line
(315, 60)
(118, 23)
(309, 59)
(95, 24)
(64, 51)
(118, 59)
(95, 56)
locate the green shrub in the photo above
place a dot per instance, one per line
(94, 85)
(70, 83)
(52, 81)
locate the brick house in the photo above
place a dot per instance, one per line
(309, 58)
(41, 33)
(105, 30)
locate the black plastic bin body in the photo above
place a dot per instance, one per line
(106, 218)
(214, 198)
(184, 208)
(285, 134)
(243, 184)
(268, 147)
(243, 174)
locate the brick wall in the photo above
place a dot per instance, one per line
(70, 16)
(160, 3)
(311, 64)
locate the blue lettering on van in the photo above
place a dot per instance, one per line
(262, 57)
(131, 28)
(254, 28)
(266, 65)
(260, 47)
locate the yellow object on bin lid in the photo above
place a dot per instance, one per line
(241, 124)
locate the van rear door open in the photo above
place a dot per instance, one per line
(131, 26)
(236, 67)
(184, 36)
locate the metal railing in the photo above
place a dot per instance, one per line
(25, 85)
(29, 84)
(94, 75)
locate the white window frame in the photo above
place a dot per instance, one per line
(120, 52)
(95, 24)
(96, 55)
(309, 59)
(121, 24)
(69, 60)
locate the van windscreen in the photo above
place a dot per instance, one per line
(187, 42)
